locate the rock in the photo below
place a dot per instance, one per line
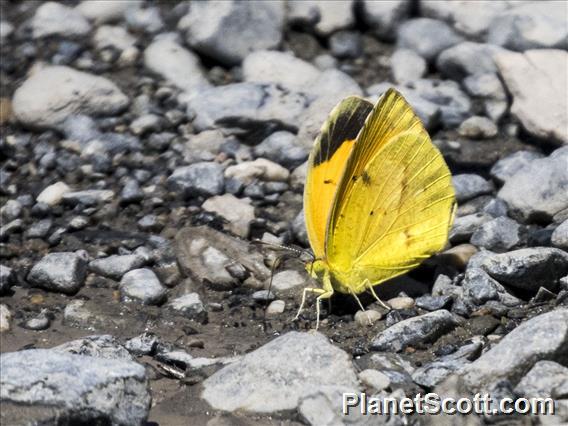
(5, 318)
(116, 266)
(401, 302)
(55, 19)
(541, 380)
(406, 65)
(538, 191)
(144, 344)
(367, 318)
(384, 17)
(414, 331)
(335, 84)
(559, 237)
(131, 192)
(53, 194)
(511, 164)
(40, 322)
(115, 37)
(531, 25)
(467, 59)
(326, 18)
(374, 379)
(62, 272)
(465, 16)
(427, 37)
(190, 306)
(142, 285)
(542, 338)
(238, 212)
(433, 303)
(276, 307)
(530, 80)
(346, 44)
(458, 256)
(528, 268)
(468, 186)
(103, 346)
(205, 178)
(249, 171)
(288, 280)
(53, 93)
(234, 28)
(82, 388)
(165, 57)
(499, 235)
(479, 287)
(146, 19)
(11, 210)
(146, 123)
(102, 12)
(282, 148)
(280, 68)
(477, 127)
(6, 30)
(240, 105)
(253, 383)
(88, 198)
(7, 279)
(210, 256)
(431, 374)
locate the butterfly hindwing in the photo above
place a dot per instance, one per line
(395, 205)
(326, 164)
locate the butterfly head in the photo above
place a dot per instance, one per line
(317, 268)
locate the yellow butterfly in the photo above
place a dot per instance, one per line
(378, 198)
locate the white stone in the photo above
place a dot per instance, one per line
(374, 379)
(537, 82)
(261, 168)
(113, 36)
(287, 280)
(5, 318)
(401, 302)
(238, 212)
(368, 317)
(276, 307)
(53, 194)
(384, 16)
(53, 93)
(176, 64)
(104, 11)
(328, 17)
(54, 18)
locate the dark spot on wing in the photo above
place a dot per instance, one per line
(366, 178)
(371, 213)
(327, 181)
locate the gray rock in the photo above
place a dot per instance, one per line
(89, 197)
(6, 29)
(53, 194)
(511, 164)
(131, 192)
(496, 208)
(62, 272)
(240, 105)
(100, 346)
(116, 266)
(531, 25)
(499, 235)
(40, 322)
(146, 19)
(55, 19)
(539, 190)
(384, 17)
(325, 17)
(480, 287)
(477, 127)
(5, 318)
(542, 379)
(205, 178)
(542, 338)
(531, 82)
(306, 362)
(412, 331)
(12, 227)
(468, 186)
(146, 123)
(287, 280)
(117, 38)
(528, 268)
(144, 344)
(427, 37)
(102, 12)
(431, 374)
(11, 210)
(190, 306)
(167, 58)
(407, 65)
(468, 58)
(53, 93)
(299, 228)
(233, 29)
(7, 279)
(142, 285)
(238, 212)
(282, 148)
(75, 389)
(346, 44)
(559, 237)
(433, 303)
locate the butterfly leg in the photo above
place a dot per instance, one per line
(370, 287)
(326, 293)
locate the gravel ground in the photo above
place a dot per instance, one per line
(146, 145)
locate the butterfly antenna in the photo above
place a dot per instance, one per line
(273, 268)
(287, 248)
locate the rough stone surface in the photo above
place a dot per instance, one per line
(427, 37)
(326, 17)
(499, 235)
(511, 164)
(200, 178)
(541, 380)
(384, 17)
(559, 237)
(467, 59)
(73, 388)
(468, 186)
(238, 212)
(62, 272)
(307, 363)
(53, 93)
(190, 306)
(142, 285)
(116, 266)
(55, 19)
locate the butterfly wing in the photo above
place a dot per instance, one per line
(395, 204)
(326, 164)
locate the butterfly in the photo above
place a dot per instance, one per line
(378, 197)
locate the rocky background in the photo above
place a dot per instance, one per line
(145, 145)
